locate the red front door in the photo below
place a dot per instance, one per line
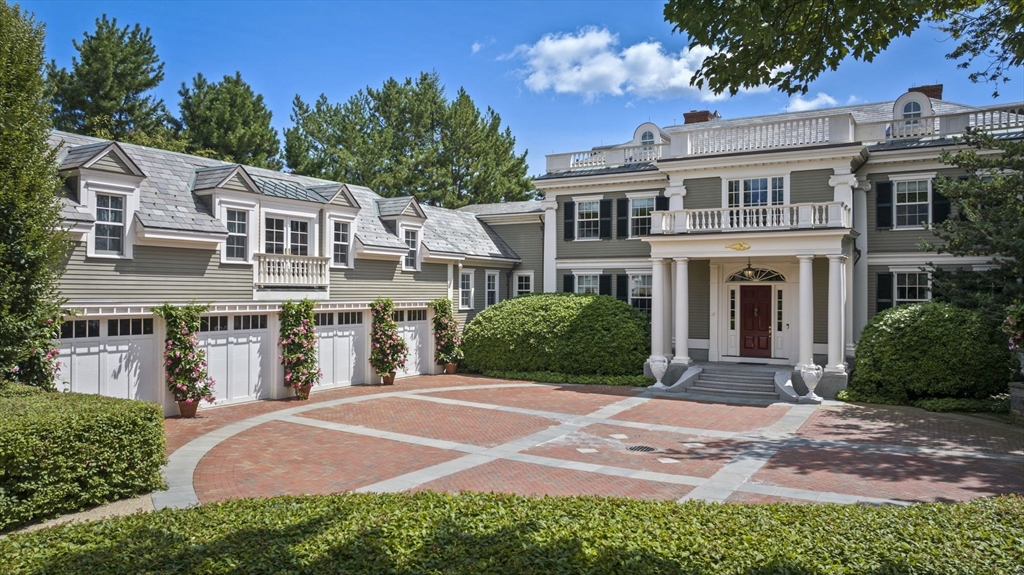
(756, 321)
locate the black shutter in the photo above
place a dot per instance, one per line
(883, 294)
(622, 287)
(568, 283)
(883, 205)
(622, 217)
(604, 284)
(940, 205)
(606, 219)
(569, 217)
(661, 203)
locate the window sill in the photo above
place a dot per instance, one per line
(102, 256)
(919, 228)
(587, 240)
(340, 267)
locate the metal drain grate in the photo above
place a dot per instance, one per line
(641, 448)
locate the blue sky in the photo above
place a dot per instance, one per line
(564, 76)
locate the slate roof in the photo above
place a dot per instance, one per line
(72, 211)
(530, 207)
(167, 202)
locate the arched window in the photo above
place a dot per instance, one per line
(750, 274)
(647, 139)
(912, 110)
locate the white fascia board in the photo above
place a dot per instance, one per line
(923, 259)
(502, 219)
(430, 255)
(122, 183)
(153, 236)
(363, 250)
(79, 229)
(821, 242)
(289, 208)
(612, 263)
(481, 261)
(647, 180)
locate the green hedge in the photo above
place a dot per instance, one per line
(506, 534)
(560, 333)
(62, 452)
(930, 350)
(552, 377)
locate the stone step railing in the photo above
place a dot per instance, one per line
(274, 270)
(779, 217)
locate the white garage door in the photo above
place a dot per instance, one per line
(341, 341)
(239, 353)
(415, 330)
(117, 357)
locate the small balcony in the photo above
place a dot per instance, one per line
(609, 157)
(287, 271)
(753, 219)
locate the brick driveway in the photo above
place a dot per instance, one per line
(458, 433)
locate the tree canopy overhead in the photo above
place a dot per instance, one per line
(407, 138)
(789, 44)
(107, 91)
(230, 120)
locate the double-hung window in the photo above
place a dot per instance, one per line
(109, 224)
(491, 288)
(412, 257)
(640, 216)
(238, 235)
(299, 241)
(911, 287)
(588, 220)
(275, 236)
(912, 203)
(341, 243)
(640, 291)
(753, 192)
(466, 290)
(283, 236)
(524, 284)
(589, 283)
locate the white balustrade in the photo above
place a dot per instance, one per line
(604, 158)
(790, 216)
(288, 270)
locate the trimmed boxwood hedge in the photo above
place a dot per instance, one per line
(930, 350)
(561, 333)
(551, 377)
(506, 534)
(62, 452)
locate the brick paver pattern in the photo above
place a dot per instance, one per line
(866, 452)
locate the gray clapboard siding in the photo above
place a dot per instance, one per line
(111, 162)
(873, 272)
(896, 240)
(810, 186)
(236, 184)
(527, 240)
(462, 316)
(609, 248)
(155, 274)
(703, 194)
(370, 279)
(820, 300)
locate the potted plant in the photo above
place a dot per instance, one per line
(298, 347)
(388, 351)
(446, 334)
(184, 361)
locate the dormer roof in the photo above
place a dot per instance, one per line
(232, 177)
(388, 208)
(104, 156)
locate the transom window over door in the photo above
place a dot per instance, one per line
(238, 229)
(109, 224)
(588, 220)
(640, 216)
(286, 236)
(912, 204)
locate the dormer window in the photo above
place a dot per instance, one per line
(238, 235)
(412, 257)
(284, 236)
(109, 224)
(341, 243)
(912, 110)
(647, 139)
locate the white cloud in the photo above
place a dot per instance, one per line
(590, 63)
(853, 100)
(799, 104)
(478, 45)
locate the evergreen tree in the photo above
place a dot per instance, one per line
(989, 222)
(32, 245)
(406, 138)
(230, 120)
(106, 92)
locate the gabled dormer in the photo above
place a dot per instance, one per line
(233, 197)
(405, 218)
(228, 178)
(104, 181)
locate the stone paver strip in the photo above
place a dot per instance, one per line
(706, 416)
(571, 399)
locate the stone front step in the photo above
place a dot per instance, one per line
(715, 391)
(728, 386)
(733, 378)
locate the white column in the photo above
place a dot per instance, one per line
(666, 323)
(657, 307)
(836, 265)
(848, 305)
(682, 312)
(860, 266)
(550, 244)
(806, 313)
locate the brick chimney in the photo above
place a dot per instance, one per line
(933, 91)
(694, 116)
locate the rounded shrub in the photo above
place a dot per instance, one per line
(562, 333)
(930, 350)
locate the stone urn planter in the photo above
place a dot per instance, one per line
(811, 375)
(449, 368)
(388, 379)
(659, 365)
(187, 409)
(302, 391)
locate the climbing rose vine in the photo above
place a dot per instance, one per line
(446, 332)
(1013, 327)
(298, 347)
(388, 351)
(184, 361)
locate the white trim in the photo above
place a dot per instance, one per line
(472, 288)
(497, 286)
(642, 195)
(154, 236)
(904, 179)
(923, 258)
(576, 281)
(515, 282)
(590, 198)
(756, 176)
(587, 271)
(221, 207)
(611, 263)
(910, 269)
(911, 177)
(576, 220)
(331, 220)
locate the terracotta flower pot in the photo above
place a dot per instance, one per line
(187, 409)
(449, 368)
(389, 379)
(302, 392)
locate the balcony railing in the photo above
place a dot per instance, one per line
(716, 138)
(759, 218)
(277, 270)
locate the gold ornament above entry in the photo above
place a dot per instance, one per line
(741, 246)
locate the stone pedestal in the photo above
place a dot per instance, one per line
(831, 383)
(1017, 402)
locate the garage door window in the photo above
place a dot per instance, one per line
(416, 315)
(350, 317)
(80, 328)
(255, 321)
(136, 326)
(213, 323)
(323, 318)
